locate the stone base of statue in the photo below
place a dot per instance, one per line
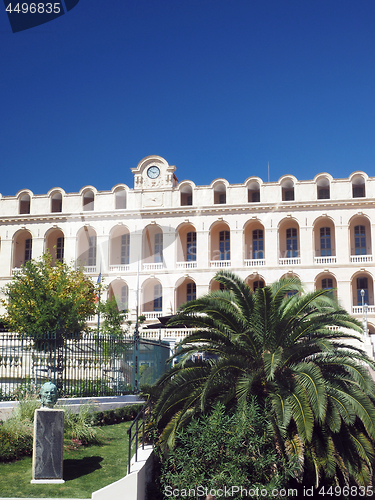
(48, 446)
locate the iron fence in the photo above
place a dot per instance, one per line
(80, 365)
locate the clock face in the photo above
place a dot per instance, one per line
(153, 172)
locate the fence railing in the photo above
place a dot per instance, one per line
(80, 365)
(144, 413)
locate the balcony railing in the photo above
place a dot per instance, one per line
(289, 261)
(167, 333)
(220, 263)
(358, 309)
(152, 314)
(187, 265)
(360, 258)
(153, 266)
(119, 268)
(325, 260)
(255, 262)
(89, 269)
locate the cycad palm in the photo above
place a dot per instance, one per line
(282, 348)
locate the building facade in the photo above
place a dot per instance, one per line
(176, 235)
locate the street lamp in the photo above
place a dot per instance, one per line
(364, 312)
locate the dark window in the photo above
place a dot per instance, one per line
(60, 249)
(124, 298)
(258, 284)
(125, 248)
(255, 196)
(358, 191)
(158, 256)
(191, 292)
(56, 203)
(92, 251)
(327, 283)
(288, 194)
(362, 284)
(28, 249)
(323, 193)
(360, 240)
(291, 243)
(191, 246)
(158, 299)
(88, 201)
(258, 248)
(25, 204)
(222, 198)
(224, 245)
(325, 242)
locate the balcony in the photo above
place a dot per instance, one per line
(325, 260)
(152, 314)
(119, 268)
(89, 269)
(358, 309)
(255, 262)
(186, 265)
(290, 261)
(153, 266)
(358, 259)
(220, 263)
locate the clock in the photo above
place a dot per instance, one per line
(153, 172)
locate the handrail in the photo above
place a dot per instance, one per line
(129, 431)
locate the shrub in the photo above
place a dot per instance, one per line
(79, 427)
(14, 445)
(225, 450)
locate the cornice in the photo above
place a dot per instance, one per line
(188, 210)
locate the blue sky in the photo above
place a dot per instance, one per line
(217, 88)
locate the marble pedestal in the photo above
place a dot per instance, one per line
(48, 446)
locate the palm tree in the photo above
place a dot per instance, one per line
(296, 353)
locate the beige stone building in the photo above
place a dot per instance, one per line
(177, 235)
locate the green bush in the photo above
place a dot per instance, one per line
(224, 450)
(14, 445)
(123, 414)
(79, 427)
(16, 433)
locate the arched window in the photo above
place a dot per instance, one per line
(186, 196)
(56, 202)
(88, 201)
(120, 199)
(220, 196)
(358, 187)
(287, 190)
(25, 204)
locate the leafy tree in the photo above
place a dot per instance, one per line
(46, 297)
(278, 344)
(113, 318)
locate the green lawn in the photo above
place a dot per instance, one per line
(85, 470)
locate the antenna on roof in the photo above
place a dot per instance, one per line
(268, 171)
